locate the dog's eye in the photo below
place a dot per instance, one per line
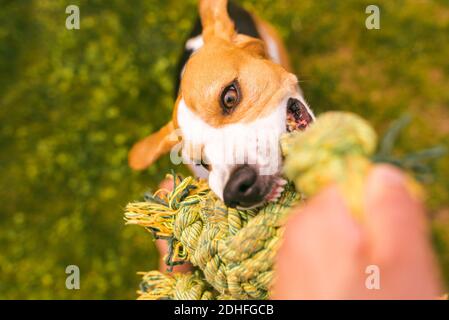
(230, 97)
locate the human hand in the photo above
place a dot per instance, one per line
(326, 252)
(162, 245)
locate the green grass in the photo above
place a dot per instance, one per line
(73, 102)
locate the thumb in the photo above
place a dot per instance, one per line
(398, 236)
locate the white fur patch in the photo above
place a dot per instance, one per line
(255, 143)
(195, 43)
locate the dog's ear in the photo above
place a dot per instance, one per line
(217, 23)
(215, 20)
(250, 44)
(149, 149)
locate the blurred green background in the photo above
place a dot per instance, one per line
(73, 102)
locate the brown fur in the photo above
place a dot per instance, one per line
(225, 57)
(263, 83)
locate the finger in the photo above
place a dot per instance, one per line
(166, 184)
(399, 239)
(320, 250)
(162, 247)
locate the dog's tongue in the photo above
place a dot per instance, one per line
(298, 117)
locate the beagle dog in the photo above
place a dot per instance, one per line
(235, 97)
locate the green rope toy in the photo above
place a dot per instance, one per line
(233, 250)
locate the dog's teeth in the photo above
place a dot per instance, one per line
(277, 190)
(273, 197)
(282, 182)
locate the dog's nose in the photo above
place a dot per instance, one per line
(243, 188)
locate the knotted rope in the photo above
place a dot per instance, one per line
(179, 286)
(234, 248)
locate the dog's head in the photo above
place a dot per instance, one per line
(233, 106)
